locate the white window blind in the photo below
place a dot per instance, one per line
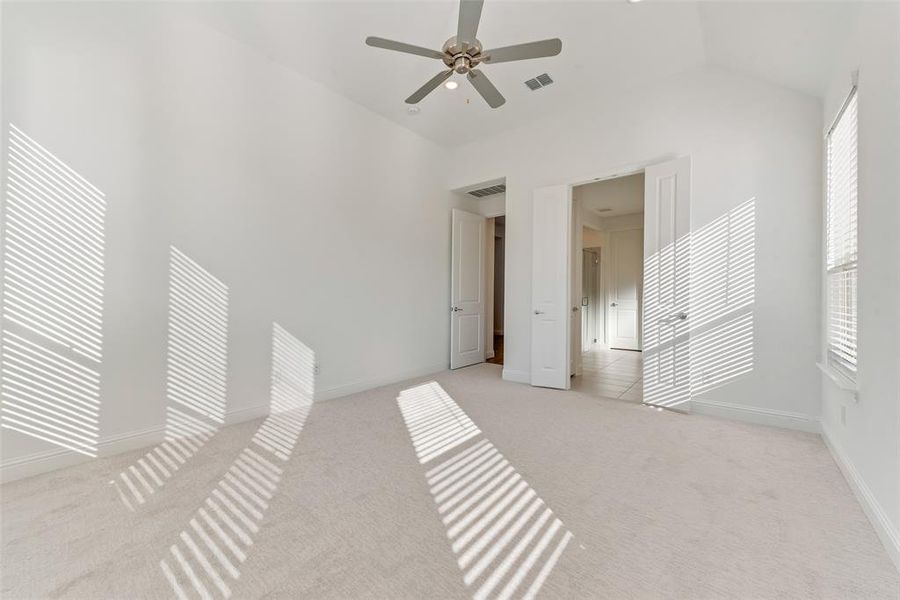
(841, 240)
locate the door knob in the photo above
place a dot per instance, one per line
(538, 312)
(613, 304)
(455, 309)
(681, 316)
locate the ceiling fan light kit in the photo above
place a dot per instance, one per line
(464, 52)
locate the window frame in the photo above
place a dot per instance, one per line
(841, 371)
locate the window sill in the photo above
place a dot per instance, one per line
(840, 381)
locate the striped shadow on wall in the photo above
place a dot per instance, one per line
(53, 268)
(196, 373)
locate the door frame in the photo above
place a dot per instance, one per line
(623, 170)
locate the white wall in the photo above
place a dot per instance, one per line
(622, 222)
(868, 443)
(592, 238)
(746, 139)
(316, 213)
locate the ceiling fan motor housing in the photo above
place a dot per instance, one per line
(461, 56)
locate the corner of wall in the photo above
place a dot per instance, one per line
(876, 514)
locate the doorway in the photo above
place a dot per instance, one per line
(665, 331)
(477, 276)
(609, 215)
(496, 281)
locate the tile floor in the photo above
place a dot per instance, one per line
(611, 374)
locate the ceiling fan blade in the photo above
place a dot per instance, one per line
(377, 42)
(469, 16)
(487, 90)
(429, 87)
(523, 51)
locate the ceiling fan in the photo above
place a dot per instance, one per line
(463, 52)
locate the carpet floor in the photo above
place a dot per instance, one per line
(381, 500)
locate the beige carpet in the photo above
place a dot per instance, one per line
(660, 505)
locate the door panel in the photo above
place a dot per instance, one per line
(666, 300)
(467, 290)
(626, 258)
(550, 287)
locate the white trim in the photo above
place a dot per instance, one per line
(886, 531)
(754, 414)
(346, 389)
(517, 376)
(844, 104)
(840, 381)
(57, 458)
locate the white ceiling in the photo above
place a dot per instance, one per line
(619, 196)
(793, 44)
(607, 46)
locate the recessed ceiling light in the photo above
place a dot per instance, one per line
(633, 1)
(451, 85)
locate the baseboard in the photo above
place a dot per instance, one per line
(57, 458)
(517, 376)
(885, 530)
(489, 354)
(368, 384)
(50, 460)
(753, 414)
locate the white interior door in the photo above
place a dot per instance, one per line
(626, 253)
(467, 290)
(550, 287)
(667, 264)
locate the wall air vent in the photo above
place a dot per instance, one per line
(488, 191)
(539, 82)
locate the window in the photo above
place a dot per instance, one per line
(841, 240)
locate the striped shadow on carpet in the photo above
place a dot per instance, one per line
(205, 561)
(506, 540)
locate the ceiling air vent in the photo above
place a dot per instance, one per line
(488, 191)
(539, 82)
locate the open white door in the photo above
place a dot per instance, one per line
(550, 287)
(626, 257)
(667, 265)
(467, 290)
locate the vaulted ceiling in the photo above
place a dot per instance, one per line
(608, 47)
